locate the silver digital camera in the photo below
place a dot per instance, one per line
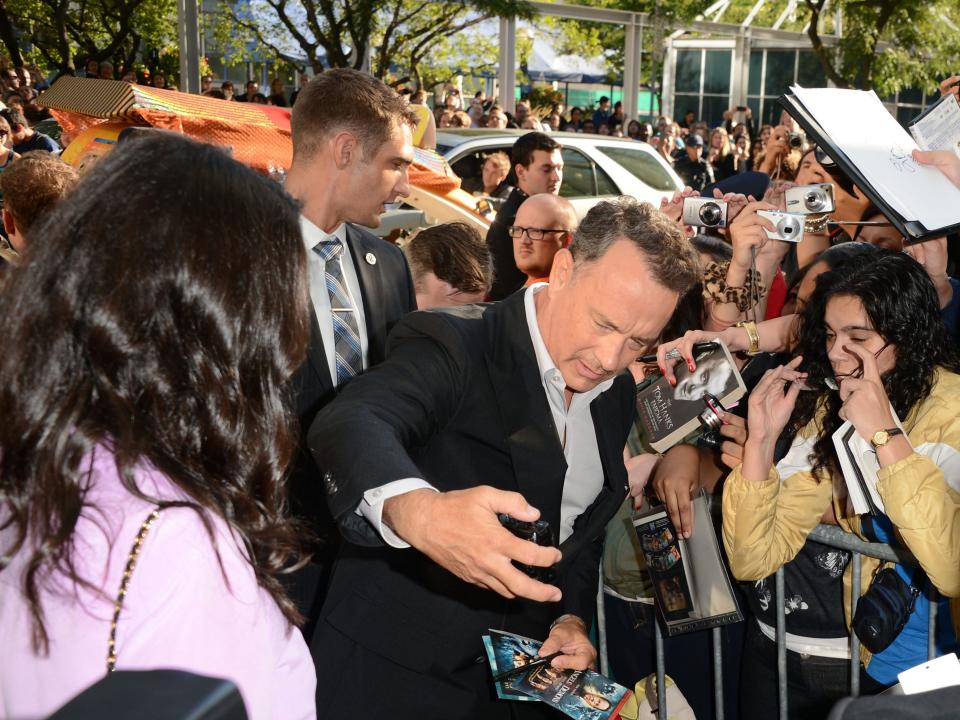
(810, 199)
(704, 212)
(788, 226)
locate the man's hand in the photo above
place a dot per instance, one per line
(946, 161)
(569, 636)
(459, 531)
(951, 86)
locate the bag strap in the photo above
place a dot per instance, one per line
(124, 584)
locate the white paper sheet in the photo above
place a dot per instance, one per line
(858, 123)
(940, 672)
(940, 127)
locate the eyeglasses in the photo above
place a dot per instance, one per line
(534, 234)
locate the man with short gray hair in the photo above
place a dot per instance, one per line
(518, 408)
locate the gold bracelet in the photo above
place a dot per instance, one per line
(752, 335)
(816, 224)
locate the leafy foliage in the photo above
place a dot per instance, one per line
(57, 32)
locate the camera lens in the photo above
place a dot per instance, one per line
(814, 200)
(787, 227)
(795, 140)
(710, 214)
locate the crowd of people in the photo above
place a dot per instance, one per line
(246, 438)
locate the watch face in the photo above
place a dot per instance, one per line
(880, 437)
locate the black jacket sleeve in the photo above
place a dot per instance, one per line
(361, 438)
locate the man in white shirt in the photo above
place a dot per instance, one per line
(521, 408)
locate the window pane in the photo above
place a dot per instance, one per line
(641, 164)
(912, 96)
(906, 114)
(810, 71)
(713, 108)
(717, 72)
(470, 168)
(771, 112)
(683, 103)
(779, 75)
(754, 104)
(578, 179)
(688, 71)
(756, 69)
(605, 184)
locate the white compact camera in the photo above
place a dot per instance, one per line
(810, 199)
(788, 226)
(704, 212)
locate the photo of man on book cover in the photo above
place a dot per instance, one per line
(666, 415)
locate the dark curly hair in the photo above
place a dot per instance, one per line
(160, 313)
(902, 306)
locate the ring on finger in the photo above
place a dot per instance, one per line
(673, 354)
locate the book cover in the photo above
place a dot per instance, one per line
(666, 415)
(691, 586)
(579, 694)
(664, 556)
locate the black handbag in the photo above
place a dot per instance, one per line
(884, 610)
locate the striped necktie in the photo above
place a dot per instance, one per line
(346, 332)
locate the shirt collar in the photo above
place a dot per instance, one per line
(313, 235)
(548, 369)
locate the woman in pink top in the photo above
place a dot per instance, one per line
(147, 345)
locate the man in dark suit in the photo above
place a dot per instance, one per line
(351, 150)
(538, 165)
(520, 407)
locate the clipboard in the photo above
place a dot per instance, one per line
(912, 230)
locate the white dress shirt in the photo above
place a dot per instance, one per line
(584, 477)
(312, 236)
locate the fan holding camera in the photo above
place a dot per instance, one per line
(782, 154)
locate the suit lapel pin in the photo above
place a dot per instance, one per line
(370, 258)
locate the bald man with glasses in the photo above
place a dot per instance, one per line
(544, 224)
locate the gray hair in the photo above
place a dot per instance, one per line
(672, 260)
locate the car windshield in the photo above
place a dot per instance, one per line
(444, 149)
(641, 164)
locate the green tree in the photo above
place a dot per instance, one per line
(62, 30)
(400, 33)
(889, 45)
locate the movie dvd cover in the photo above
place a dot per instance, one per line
(579, 694)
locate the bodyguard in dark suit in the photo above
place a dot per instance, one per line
(351, 150)
(538, 165)
(520, 407)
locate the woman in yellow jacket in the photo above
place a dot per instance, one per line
(874, 328)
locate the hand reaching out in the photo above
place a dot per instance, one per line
(459, 531)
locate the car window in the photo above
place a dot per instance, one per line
(470, 167)
(642, 165)
(582, 177)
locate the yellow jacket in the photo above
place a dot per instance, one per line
(766, 523)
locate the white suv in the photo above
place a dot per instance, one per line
(594, 166)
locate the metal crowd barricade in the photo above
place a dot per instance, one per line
(830, 535)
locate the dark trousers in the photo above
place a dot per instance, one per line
(814, 684)
(353, 682)
(689, 657)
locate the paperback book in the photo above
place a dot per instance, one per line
(579, 694)
(667, 414)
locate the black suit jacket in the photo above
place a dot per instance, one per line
(507, 278)
(387, 293)
(459, 402)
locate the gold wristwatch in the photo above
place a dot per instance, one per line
(882, 437)
(752, 335)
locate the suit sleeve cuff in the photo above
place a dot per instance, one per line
(371, 507)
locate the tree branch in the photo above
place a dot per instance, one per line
(822, 53)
